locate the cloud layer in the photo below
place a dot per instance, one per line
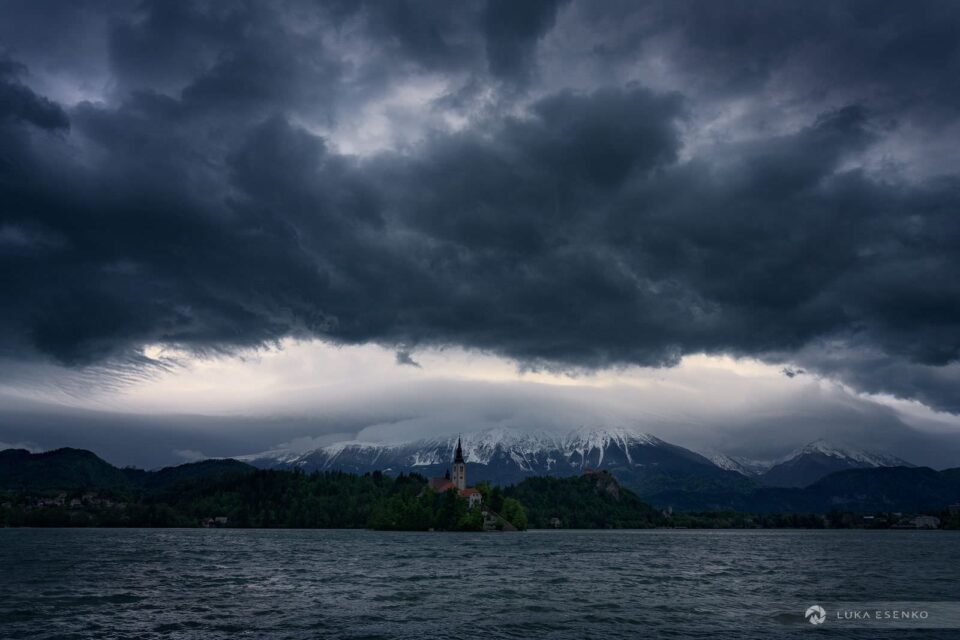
(569, 185)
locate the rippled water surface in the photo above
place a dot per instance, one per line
(63, 583)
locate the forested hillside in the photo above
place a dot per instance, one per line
(591, 501)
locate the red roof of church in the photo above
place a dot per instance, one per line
(469, 491)
(441, 484)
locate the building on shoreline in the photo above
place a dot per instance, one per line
(458, 480)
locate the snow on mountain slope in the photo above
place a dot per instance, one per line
(868, 458)
(831, 455)
(819, 459)
(743, 466)
(505, 455)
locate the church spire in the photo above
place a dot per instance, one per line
(459, 468)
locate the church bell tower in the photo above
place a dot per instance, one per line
(459, 468)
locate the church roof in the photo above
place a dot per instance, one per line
(441, 484)
(469, 491)
(458, 456)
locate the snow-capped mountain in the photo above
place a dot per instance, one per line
(743, 466)
(820, 458)
(867, 458)
(503, 456)
(641, 461)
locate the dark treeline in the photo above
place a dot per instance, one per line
(737, 520)
(405, 511)
(835, 519)
(219, 493)
(262, 499)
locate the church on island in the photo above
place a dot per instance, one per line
(458, 481)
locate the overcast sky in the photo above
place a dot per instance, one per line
(226, 226)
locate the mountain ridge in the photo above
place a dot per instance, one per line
(502, 455)
(820, 458)
(641, 461)
(865, 490)
(670, 485)
(72, 469)
(805, 465)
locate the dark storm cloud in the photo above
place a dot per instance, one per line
(887, 50)
(493, 34)
(195, 204)
(19, 103)
(511, 30)
(227, 59)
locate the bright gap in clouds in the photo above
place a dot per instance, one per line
(303, 375)
(740, 406)
(309, 393)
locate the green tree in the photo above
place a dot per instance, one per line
(514, 513)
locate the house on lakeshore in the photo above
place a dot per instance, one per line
(926, 522)
(210, 523)
(458, 480)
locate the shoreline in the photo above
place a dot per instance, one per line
(459, 533)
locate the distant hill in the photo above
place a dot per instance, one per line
(66, 468)
(908, 489)
(590, 501)
(71, 469)
(169, 476)
(819, 459)
(806, 465)
(887, 489)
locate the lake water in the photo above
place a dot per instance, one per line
(68, 583)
